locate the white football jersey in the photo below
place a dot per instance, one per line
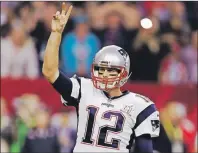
(109, 125)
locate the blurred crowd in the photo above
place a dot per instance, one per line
(33, 128)
(165, 53)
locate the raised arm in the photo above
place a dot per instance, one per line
(51, 57)
(68, 88)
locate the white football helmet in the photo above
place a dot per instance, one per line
(111, 57)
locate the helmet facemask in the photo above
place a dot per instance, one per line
(116, 76)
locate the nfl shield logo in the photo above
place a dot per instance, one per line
(155, 124)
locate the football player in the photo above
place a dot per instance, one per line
(108, 119)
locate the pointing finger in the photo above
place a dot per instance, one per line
(64, 8)
(69, 11)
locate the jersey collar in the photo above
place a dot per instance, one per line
(116, 97)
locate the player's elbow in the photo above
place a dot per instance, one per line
(49, 73)
(45, 72)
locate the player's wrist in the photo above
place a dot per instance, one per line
(56, 33)
(56, 36)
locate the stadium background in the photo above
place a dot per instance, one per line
(163, 62)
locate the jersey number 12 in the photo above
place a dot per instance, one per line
(103, 130)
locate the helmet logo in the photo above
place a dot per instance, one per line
(123, 53)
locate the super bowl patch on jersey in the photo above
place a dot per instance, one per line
(127, 109)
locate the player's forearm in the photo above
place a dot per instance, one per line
(51, 57)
